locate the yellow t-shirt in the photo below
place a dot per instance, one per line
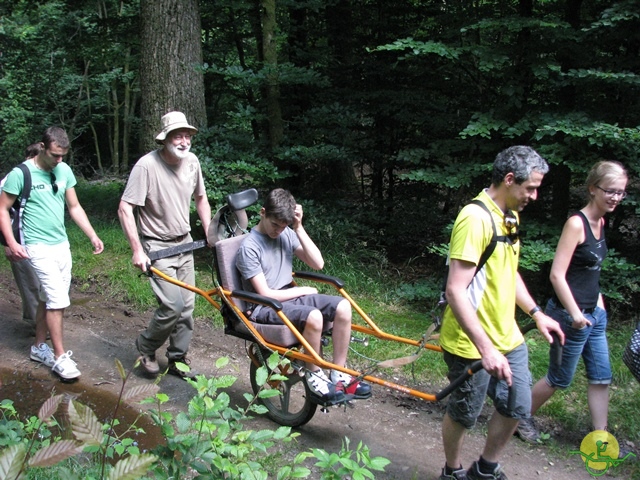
(493, 290)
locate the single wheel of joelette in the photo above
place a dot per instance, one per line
(293, 406)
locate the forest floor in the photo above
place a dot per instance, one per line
(393, 425)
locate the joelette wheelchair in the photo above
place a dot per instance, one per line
(294, 405)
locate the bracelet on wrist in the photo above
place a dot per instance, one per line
(534, 310)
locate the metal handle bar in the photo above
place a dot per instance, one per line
(176, 250)
(473, 368)
(556, 352)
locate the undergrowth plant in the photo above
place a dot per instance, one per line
(29, 445)
(210, 441)
(207, 441)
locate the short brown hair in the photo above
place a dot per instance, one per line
(280, 205)
(55, 135)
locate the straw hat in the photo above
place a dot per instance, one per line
(174, 121)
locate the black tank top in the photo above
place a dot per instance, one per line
(583, 274)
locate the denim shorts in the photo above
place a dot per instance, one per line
(589, 342)
(465, 403)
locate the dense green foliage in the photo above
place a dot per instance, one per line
(391, 112)
(208, 440)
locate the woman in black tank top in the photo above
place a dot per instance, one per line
(577, 303)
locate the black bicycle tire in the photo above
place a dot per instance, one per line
(274, 406)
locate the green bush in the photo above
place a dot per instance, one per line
(208, 440)
(210, 437)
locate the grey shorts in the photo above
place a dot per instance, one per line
(298, 309)
(465, 403)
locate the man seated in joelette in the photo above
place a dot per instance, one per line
(265, 262)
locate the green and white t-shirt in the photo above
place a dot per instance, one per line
(43, 216)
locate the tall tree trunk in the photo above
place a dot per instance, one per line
(272, 89)
(115, 135)
(340, 38)
(567, 100)
(171, 54)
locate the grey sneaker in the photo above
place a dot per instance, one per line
(455, 475)
(625, 452)
(527, 431)
(43, 354)
(474, 473)
(65, 367)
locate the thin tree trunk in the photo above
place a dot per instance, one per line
(127, 115)
(272, 89)
(567, 100)
(115, 140)
(96, 144)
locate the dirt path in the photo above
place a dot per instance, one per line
(399, 427)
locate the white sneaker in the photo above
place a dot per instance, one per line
(337, 376)
(43, 354)
(322, 388)
(65, 367)
(359, 389)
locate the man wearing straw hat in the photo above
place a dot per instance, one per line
(160, 187)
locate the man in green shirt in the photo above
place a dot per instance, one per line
(46, 244)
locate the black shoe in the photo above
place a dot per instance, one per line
(322, 390)
(474, 473)
(174, 370)
(455, 475)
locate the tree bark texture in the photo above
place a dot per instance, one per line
(272, 89)
(171, 56)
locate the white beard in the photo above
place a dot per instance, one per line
(178, 151)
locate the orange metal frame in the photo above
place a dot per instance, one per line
(217, 296)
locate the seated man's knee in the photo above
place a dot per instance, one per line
(314, 320)
(343, 311)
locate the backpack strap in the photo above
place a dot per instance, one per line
(26, 188)
(19, 208)
(488, 251)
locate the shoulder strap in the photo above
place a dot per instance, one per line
(488, 251)
(494, 238)
(26, 191)
(26, 187)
